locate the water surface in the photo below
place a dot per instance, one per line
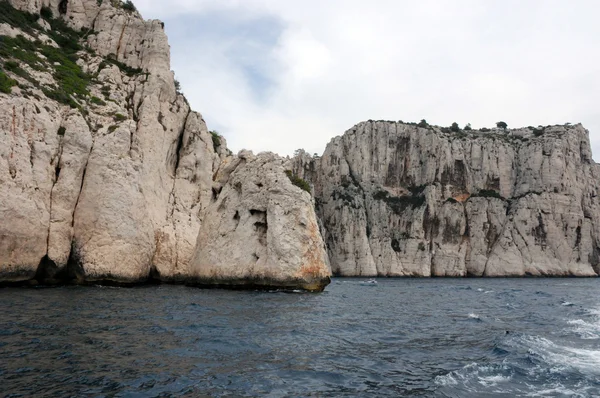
(420, 337)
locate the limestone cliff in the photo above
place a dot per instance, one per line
(400, 199)
(105, 172)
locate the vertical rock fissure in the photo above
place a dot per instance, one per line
(180, 144)
(121, 38)
(47, 267)
(178, 155)
(82, 183)
(74, 269)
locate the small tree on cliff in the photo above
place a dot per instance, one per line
(423, 123)
(502, 125)
(129, 6)
(455, 127)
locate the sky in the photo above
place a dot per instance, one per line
(279, 75)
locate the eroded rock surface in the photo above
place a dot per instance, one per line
(397, 199)
(261, 231)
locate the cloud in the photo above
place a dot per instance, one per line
(281, 75)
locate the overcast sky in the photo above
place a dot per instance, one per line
(280, 75)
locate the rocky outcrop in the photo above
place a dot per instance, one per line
(261, 231)
(105, 170)
(397, 199)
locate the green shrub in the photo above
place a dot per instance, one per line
(422, 246)
(11, 65)
(119, 117)
(61, 131)
(19, 19)
(538, 132)
(97, 101)
(106, 92)
(455, 127)
(112, 128)
(417, 190)
(216, 139)
(71, 81)
(46, 13)
(15, 68)
(487, 193)
(501, 125)
(297, 181)
(21, 49)
(468, 127)
(399, 203)
(128, 70)
(177, 86)
(128, 6)
(61, 96)
(423, 123)
(6, 83)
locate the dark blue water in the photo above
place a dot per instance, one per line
(421, 337)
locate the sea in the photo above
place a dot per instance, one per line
(400, 337)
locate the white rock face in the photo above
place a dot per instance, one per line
(261, 231)
(28, 160)
(396, 199)
(118, 193)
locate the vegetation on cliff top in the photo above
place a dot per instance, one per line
(71, 81)
(297, 181)
(6, 83)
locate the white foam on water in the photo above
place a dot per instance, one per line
(563, 357)
(594, 311)
(445, 380)
(587, 329)
(558, 389)
(492, 381)
(472, 376)
(567, 304)
(474, 316)
(480, 290)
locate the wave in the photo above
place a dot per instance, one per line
(554, 369)
(475, 377)
(562, 358)
(587, 329)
